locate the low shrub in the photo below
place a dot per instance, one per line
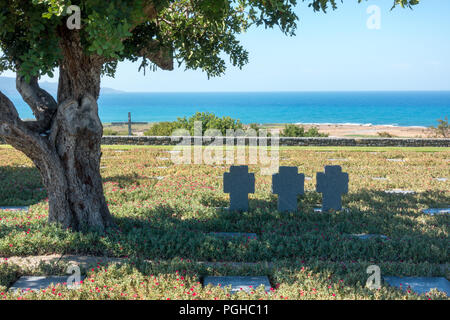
(209, 121)
(442, 130)
(292, 130)
(110, 132)
(385, 134)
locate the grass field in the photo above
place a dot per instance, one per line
(163, 227)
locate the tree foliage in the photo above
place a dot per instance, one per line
(196, 33)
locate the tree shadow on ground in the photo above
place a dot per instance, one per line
(20, 186)
(170, 231)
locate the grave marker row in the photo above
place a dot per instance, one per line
(287, 184)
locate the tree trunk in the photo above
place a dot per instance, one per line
(67, 153)
(74, 184)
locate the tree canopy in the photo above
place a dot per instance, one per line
(196, 33)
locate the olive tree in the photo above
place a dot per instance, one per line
(37, 37)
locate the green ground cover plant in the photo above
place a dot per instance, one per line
(168, 222)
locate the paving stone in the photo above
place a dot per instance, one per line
(238, 283)
(162, 167)
(320, 209)
(308, 178)
(32, 261)
(40, 282)
(163, 158)
(441, 179)
(396, 160)
(13, 208)
(251, 236)
(399, 191)
(420, 285)
(222, 208)
(380, 178)
(365, 236)
(433, 211)
(88, 262)
(261, 264)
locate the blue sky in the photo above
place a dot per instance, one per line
(331, 52)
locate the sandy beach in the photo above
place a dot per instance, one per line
(356, 130)
(334, 130)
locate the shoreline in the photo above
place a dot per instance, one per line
(340, 130)
(370, 130)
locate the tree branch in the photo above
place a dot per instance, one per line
(160, 55)
(17, 133)
(40, 101)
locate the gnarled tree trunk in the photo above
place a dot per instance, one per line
(64, 141)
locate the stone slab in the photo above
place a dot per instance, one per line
(87, 262)
(38, 282)
(441, 179)
(222, 208)
(32, 261)
(367, 236)
(163, 158)
(399, 191)
(420, 285)
(244, 235)
(380, 178)
(396, 160)
(14, 208)
(238, 283)
(320, 209)
(433, 211)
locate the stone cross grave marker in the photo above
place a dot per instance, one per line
(288, 183)
(239, 183)
(332, 184)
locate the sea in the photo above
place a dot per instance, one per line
(406, 108)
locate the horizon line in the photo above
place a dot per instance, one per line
(280, 91)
